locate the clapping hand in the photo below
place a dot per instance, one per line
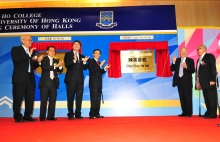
(32, 50)
(86, 59)
(40, 58)
(102, 63)
(59, 64)
(74, 57)
(107, 66)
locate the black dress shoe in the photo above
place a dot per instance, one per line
(91, 117)
(211, 116)
(71, 118)
(52, 119)
(19, 121)
(181, 115)
(99, 116)
(188, 115)
(42, 119)
(79, 117)
(30, 119)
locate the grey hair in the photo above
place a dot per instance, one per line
(22, 37)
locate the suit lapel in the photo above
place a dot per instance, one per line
(203, 59)
(179, 62)
(94, 61)
(48, 60)
(187, 60)
(71, 54)
(22, 50)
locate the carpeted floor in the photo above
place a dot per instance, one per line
(113, 129)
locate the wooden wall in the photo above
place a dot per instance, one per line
(188, 12)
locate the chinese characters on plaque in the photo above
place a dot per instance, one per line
(137, 61)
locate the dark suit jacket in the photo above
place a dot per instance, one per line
(187, 73)
(45, 75)
(95, 74)
(21, 63)
(207, 71)
(74, 70)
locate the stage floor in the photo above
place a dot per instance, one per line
(113, 129)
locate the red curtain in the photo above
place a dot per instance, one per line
(162, 56)
(57, 45)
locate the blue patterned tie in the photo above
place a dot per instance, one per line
(29, 67)
(181, 69)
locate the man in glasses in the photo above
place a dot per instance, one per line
(206, 80)
(23, 79)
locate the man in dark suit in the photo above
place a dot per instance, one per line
(95, 83)
(74, 79)
(23, 80)
(183, 68)
(49, 83)
(206, 80)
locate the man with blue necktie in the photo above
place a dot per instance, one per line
(183, 68)
(23, 79)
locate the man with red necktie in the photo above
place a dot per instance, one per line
(95, 83)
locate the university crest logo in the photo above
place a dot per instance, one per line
(106, 20)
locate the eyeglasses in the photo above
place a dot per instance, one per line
(30, 40)
(199, 49)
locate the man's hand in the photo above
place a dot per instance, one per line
(174, 58)
(32, 50)
(59, 64)
(40, 58)
(74, 57)
(102, 63)
(184, 65)
(212, 83)
(107, 66)
(85, 59)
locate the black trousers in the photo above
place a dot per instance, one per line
(48, 93)
(210, 97)
(185, 94)
(74, 89)
(23, 90)
(95, 99)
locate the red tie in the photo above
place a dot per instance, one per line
(97, 62)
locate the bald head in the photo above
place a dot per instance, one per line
(183, 52)
(201, 49)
